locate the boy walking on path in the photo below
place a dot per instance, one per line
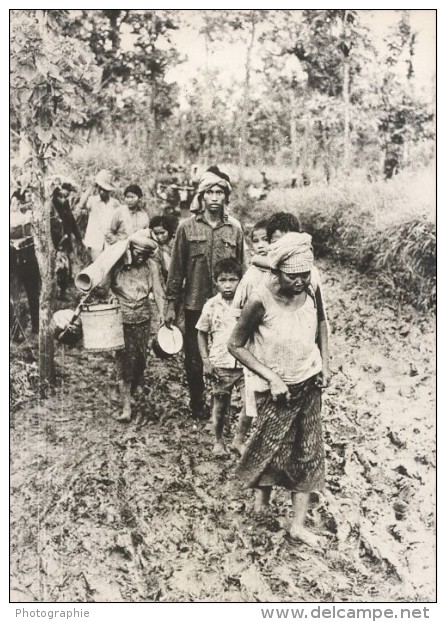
(214, 327)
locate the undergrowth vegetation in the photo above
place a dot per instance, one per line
(383, 228)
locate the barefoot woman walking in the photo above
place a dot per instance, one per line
(281, 335)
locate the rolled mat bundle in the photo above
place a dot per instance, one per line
(96, 272)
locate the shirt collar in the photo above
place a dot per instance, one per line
(201, 216)
(222, 301)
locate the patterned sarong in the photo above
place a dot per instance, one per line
(131, 361)
(286, 448)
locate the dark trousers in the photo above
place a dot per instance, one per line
(25, 272)
(192, 360)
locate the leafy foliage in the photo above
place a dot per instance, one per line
(132, 49)
(51, 81)
(354, 224)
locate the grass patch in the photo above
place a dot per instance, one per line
(383, 228)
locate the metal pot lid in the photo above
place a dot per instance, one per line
(170, 339)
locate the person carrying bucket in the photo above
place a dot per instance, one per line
(132, 279)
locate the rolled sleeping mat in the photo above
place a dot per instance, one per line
(96, 272)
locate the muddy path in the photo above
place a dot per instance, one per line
(106, 512)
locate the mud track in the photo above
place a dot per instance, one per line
(107, 512)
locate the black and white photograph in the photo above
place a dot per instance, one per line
(222, 307)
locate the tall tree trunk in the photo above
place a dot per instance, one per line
(346, 97)
(45, 257)
(293, 129)
(346, 100)
(245, 103)
(45, 253)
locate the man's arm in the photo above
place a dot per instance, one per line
(112, 235)
(177, 272)
(82, 205)
(157, 288)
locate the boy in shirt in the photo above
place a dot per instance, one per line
(214, 327)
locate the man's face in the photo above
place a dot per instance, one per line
(104, 194)
(214, 199)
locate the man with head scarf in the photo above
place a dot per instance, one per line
(209, 235)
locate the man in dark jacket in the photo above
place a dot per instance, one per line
(201, 241)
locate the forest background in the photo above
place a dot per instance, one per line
(335, 106)
(341, 102)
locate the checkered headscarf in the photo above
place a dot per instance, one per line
(292, 253)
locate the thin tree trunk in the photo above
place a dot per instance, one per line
(45, 255)
(346, 98)
(293, 129)
(245, 102)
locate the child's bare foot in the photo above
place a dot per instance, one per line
(300, 534)
(260, 507)
(124, 417)
(219, 449)
(238, 445)
(264, 518)
(261, 500)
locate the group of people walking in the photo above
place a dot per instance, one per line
(259, 325)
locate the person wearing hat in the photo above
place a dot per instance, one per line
(202, 240)
(281, 337)
(100, 205)
(132, 279)
(129, 217)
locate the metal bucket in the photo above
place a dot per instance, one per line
(102, 327)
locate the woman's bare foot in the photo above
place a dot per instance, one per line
(124, 417)
(261, 500)
(238, 445)
(219, 449)
(300, 534)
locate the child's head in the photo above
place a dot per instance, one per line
(163, 228)
(132, 196)
(259, 238)
(279, 224)
(227, 275)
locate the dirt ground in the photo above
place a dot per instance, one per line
(101, 511)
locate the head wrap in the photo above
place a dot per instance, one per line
(142, 240)
(212, 177)
(292, 253)
(134, 189)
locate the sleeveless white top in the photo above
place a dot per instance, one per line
(285, 340)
